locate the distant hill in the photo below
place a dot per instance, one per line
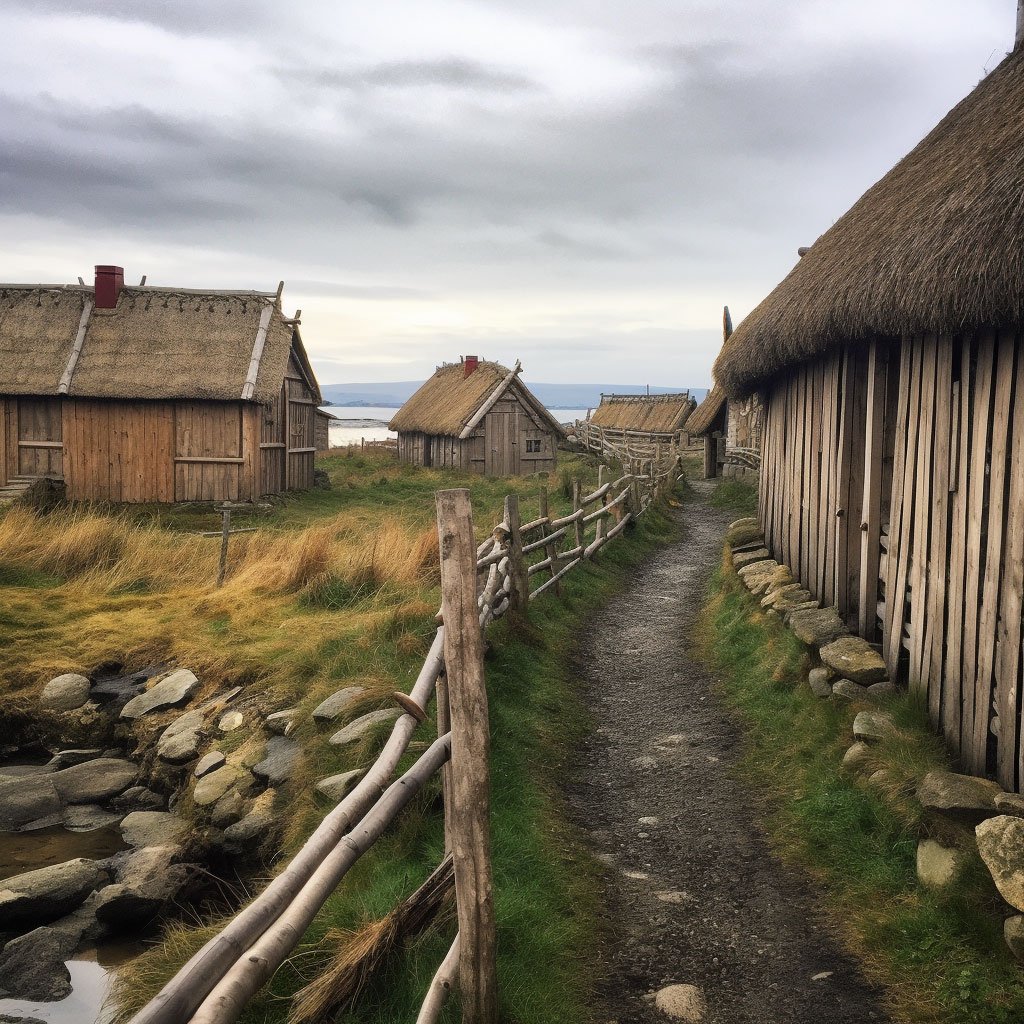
(554, 396)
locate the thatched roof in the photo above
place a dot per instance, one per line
(449, 401)
(705, 418)
(158, 343)
(654, 414)
(937, 245)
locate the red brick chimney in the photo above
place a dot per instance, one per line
(109, 282)
(471, 363)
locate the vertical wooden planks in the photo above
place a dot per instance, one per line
(871, 502)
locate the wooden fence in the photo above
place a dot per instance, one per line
(514, 566)
(634, 445)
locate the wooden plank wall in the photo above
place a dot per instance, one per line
(3, 441)
(892, 483)
(208, 460)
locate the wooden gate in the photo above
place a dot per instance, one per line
(39, 445)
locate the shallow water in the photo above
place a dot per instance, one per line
(26, 851)
(90, 984)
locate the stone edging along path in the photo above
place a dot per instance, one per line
(851, 669)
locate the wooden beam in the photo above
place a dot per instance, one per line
(486, 407)
(249, 387)
(871, 509)
(76, 349)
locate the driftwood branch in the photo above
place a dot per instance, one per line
(440, 988)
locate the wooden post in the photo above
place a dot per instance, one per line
(710, 456)
(225, 513)
(519, 597)
(599, 526)
(576, 494)
(550, 550)
(871, 506)
(471, 791)
(444, 725)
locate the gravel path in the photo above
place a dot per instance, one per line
(693, 895)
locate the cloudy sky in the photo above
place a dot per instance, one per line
(578, 183)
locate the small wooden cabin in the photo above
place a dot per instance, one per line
(322, 429)
(649, 418)
(146, 394)
(478, 416)
(891, 367)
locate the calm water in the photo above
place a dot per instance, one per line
(26, 851)
(90, 984)
(370, 422)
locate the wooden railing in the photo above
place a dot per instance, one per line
(629, 445)
(514, 566)
(749, 458)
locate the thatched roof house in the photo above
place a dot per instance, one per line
(709, 416)
(479, 416)
(154, 394)
(644, 416)
(889, 362)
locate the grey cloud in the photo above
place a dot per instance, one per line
(448, 73)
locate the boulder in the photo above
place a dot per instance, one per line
(250, 830)
(231, 807)
(39, 896)
(743, 532)
(963, 798)
(881, 777)
(873, 726)
(208, 763)
(857, 758)
(364, 726)
(152, 828)
(66, 692)
(1001, 845)
(881, 691)
(67, 758)
(817, 627)
(27, 799)
(280, 757)
(173, 690)
(230, 721)
(138, 798)
(938, 866)
(681, 1002)
(281, 723)
(338, 703)
(32, 967)
(180, 741)
(1013, 933)
(744, 558)
(210, 788)
(1010, 803)
(94, 781)
(817, 680)
(854, 658)
(847, 689)
(148, 881)
(88, 817)
(337, 787)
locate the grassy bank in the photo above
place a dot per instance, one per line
(940, 956)
(338, 587)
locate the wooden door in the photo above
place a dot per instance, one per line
(39, 434)
(272, 446)
(502, 440)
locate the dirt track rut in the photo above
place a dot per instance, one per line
(693, 897)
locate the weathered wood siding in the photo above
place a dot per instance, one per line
(892, 483)
(300, 429)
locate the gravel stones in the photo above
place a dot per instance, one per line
(208, 763)
(1001, 845)
(364, 726)
(66, 692)
(854, 658)
(180, 741)
(338, 703)
(960, 797)
(817, 626)
(279, 761)
(47, 893)
(681, 1002)
(174, 689)
(938, 866)
(873, 726)
(337, 787)
(152, 828)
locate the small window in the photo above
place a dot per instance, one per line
(533, 446)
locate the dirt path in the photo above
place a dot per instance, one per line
(693, 895)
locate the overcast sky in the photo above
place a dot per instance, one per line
(578, 183)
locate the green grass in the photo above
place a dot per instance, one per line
(940, 956)
(738, 496)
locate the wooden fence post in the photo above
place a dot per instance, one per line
(577, 492)
(471, 790)
(444, 725)
(225, 533)
(519, 597)
(550, 550)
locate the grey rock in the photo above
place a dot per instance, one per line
(66, 692)
(180, 741)
(881, 778)
(873, 726)
(1001, 845)
(231, 807)
(854, 658)
(279, 760)
(363, 726)
(281, 722)
(960, 797)
(938, 866)
(230, 721)
(338, 703)
(174, 689)
(138, 798)
(1013, 933)
(817, 626)
(757, 577)
(881, 691)
(208, 763)
(46, 893)
(744, 532)
(744, 558)
(23, 800)
(94, 781)
(67, 758)
(152, 828)
(147, 883)
(817, 680)
(682, 1002)
(21, 771)
(210, 788)
(1010, 803)
(857, 758)
(32, 967)
(336, 787)
(255, 826)
(88, 817)
(847, 689)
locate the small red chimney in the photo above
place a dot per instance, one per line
(471, 363)
(109, 282)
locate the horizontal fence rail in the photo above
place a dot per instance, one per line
(515, 565)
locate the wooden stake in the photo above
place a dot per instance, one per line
(225, 531)
(471, 791)
(444, 726)
(519, 596)
(550, 550)
(576, 493)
